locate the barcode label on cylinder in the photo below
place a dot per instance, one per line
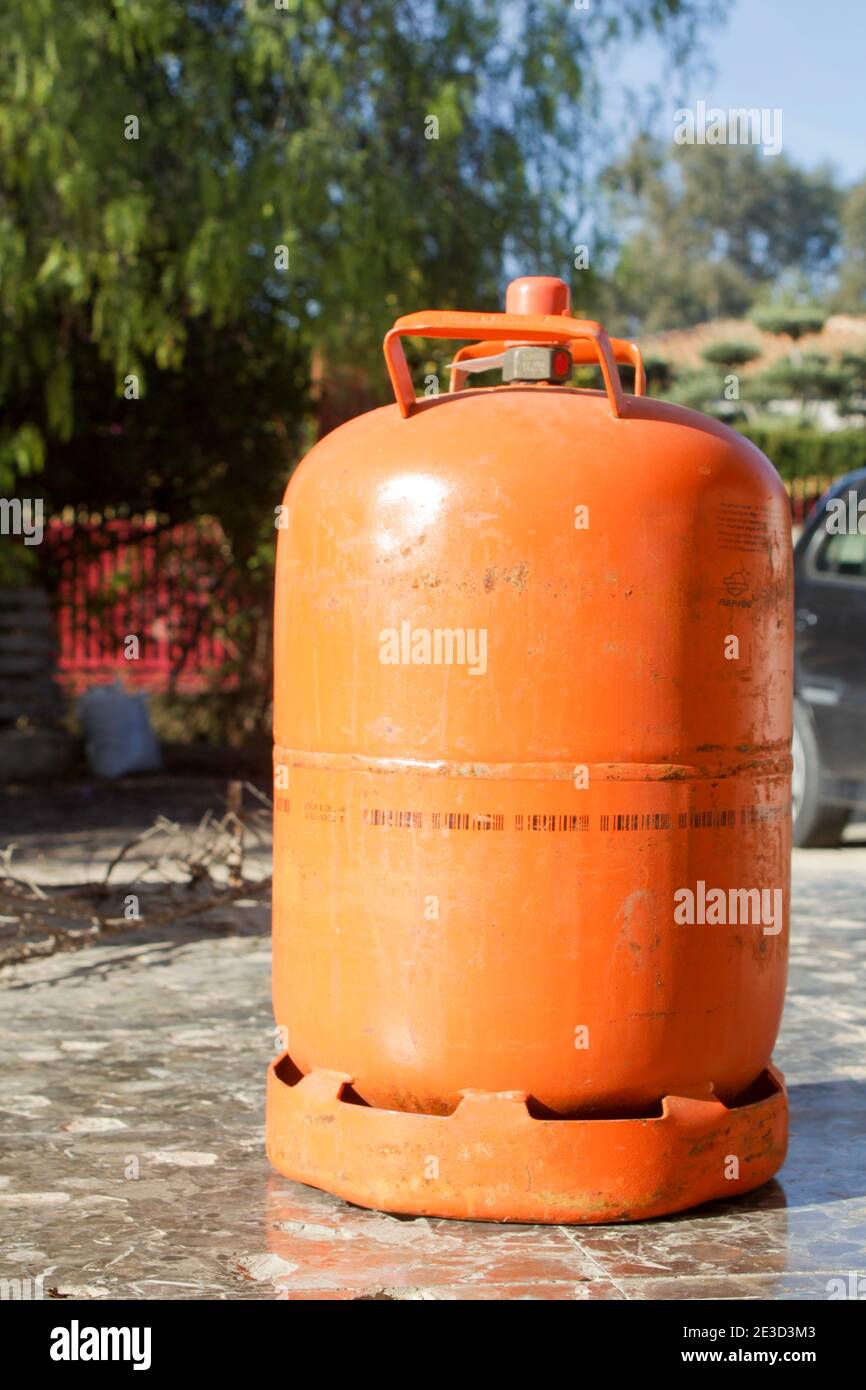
(393, 819)
(711, 820)
(635, 820)
(467, 820)
(550, 822)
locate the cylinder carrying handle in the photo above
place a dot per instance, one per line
(501, 328)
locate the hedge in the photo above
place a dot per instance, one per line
(803, 453)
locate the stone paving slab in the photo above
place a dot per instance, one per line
(132, 1163)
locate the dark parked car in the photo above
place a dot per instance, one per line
(830, 664)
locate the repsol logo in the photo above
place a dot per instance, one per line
(437, 646)
(77, 1343)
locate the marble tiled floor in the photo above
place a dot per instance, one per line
(131, 1159)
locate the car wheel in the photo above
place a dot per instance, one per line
(817, 824)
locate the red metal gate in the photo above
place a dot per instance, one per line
(171, 587)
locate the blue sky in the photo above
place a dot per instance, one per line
(807, 58)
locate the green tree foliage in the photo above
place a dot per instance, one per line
(853, 396)
(196, 195)
(851, 292)
(704, 229)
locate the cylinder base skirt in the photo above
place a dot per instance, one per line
(493, 1160)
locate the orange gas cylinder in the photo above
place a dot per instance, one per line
(533, 666)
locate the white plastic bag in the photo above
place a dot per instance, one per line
(117, 732)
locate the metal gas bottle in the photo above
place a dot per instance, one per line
(532, 720)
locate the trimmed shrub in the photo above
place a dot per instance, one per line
(659, 372)
(698, 389)
(811, 377)
(793, 319)
(731, 354)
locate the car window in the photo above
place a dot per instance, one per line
(843, 556)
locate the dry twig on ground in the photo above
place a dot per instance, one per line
(180, 874)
